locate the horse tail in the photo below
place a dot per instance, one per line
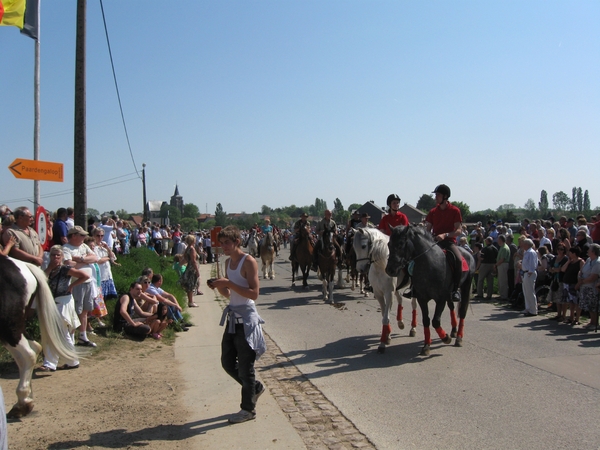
(51, 322)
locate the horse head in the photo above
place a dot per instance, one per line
(401, 249)
(362, 248)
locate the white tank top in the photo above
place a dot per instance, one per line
(236, 277)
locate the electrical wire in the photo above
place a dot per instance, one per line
(117, 89)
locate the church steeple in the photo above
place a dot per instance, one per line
(177, 200)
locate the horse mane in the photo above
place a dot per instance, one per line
(422, 231)
(380, 244)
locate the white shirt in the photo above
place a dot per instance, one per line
(70, 252)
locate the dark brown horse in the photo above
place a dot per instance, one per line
(303, 256)
(327, 260)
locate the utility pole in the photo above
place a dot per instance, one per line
(144, 191)
(80, 169)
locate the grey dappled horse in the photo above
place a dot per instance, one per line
(431, 279)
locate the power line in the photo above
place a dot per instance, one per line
(117, 89)
(91, 186)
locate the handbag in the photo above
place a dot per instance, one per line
(554, 285)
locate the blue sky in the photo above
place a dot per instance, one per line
(251, 103)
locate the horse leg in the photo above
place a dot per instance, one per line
(453, 320)
(463, 306)
(271, 270)
(437, 325)
(386, 329)
(399, 310)
(331, 285)
(25, 354)
(426, 350)
(413, 323)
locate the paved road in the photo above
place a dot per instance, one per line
(516, 383)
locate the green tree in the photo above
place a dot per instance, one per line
(340, 215)
(91, 212)
(574, 199)
(172, 212)
(530, 208)
(190, 211)
(465, 211)
(122, 213)
(587, 205)
(220, 216)
(579, 200)
(207, 224)
(543, 204)
(560, 201)
(426, 202)
(189, 224)
(265, 210)
(354, 206)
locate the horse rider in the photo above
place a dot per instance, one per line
(364, 221)
(394, 217)
(300, 223)
(265, 228)
(354, 220)
(445, 223)
(327, 223)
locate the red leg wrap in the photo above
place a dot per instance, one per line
(453, 318)
(427, 335)
(414, 319)
(385, 332)
(399, 313)
(441, 333)
(461, 328)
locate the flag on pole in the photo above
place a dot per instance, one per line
(23, 14)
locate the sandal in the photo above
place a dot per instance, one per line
(83, 343)
(192, 305)
(156, 336)
(68, 367)
(46, 369)
(576, 322)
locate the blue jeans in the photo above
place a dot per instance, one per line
(237, 358)
(173, 313)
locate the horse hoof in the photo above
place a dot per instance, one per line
(401, 325)
(453, 333)
(425, 351)
(381, 350)
(413, 332)
(19, 411)
(293, 284)
(458, 342)
(447, 340)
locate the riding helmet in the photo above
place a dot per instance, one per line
(442, 189)
(391, 198)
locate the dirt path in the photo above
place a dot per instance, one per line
(99, 404)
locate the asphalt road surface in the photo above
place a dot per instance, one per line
(517, 382)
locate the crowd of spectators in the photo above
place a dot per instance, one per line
(565, 254)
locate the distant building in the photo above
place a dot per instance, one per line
(177, 200)
(413, 214)
(376, 212)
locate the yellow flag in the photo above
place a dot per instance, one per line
(12, 13)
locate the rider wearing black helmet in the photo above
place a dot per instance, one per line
(445, 223)
(393, 217)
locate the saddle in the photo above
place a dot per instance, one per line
(450, 257)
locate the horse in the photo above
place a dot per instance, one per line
(302, 256)
(327, 261)
(353, 276)
(371, 247)
(252, 243)
(339, 239)
(267, 255)
(431, 279)
(24, 286)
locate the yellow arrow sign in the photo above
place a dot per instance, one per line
(37, 170)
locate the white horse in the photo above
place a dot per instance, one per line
(267, 255)
(371, 247)
(24, 286)
(252, 244)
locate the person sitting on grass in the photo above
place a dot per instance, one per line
(144, 323)
(147, 302)
(174, 310)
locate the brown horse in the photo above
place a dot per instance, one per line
(303, 257)
(267, 255)
(327, 261)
